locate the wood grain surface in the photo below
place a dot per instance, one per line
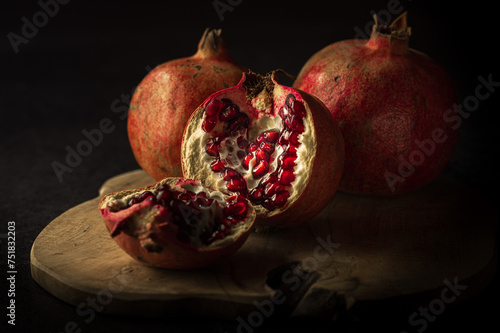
(357, 249)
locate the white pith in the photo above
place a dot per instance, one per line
(195, 139)
(204, 219)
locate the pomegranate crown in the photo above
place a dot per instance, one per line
(254, 83)
(398, 29)
(212, 45)
(393, 38)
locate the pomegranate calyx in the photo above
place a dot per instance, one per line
(400, 26)
(255, 84)
(394, 37)
(212, 45)
(397, 29)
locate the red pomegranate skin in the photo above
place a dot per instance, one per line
(389, 101)
(325, 167)
(168, 251)
(166, 97)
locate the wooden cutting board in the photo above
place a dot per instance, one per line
(357, 249)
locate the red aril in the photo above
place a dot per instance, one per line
(177, 223)
(280, 148)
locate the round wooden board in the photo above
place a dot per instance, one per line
(358, 248)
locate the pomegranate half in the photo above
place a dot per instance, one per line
(275, 145)
(177, 223)
(390, 102)
(166, 97)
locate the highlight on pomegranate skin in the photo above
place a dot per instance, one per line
(272, 144)
(390, 101)
(164, 100)
(177, 223)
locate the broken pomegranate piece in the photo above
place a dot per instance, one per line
(277, 146)
(177, 223)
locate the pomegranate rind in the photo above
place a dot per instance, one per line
(320, 156)
(390, 101)
(165, 98)
(162, 248)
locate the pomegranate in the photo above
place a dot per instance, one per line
(177, 223)
(166, 97)
(389, 101)
(275, 145)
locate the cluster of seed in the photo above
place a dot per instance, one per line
(185, 205)
(273, 189)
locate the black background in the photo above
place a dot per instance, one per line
(67, 76)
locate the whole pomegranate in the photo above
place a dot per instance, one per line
(166, 97)
(389, 101)
(177, 223)
(275, 145)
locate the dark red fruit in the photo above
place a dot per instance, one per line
(169, 225)
(164, 100)
(389, 100)
(278, 136)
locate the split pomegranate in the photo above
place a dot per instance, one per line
(275, 145)
(389, 101)
(166, 97)
(177, 223)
